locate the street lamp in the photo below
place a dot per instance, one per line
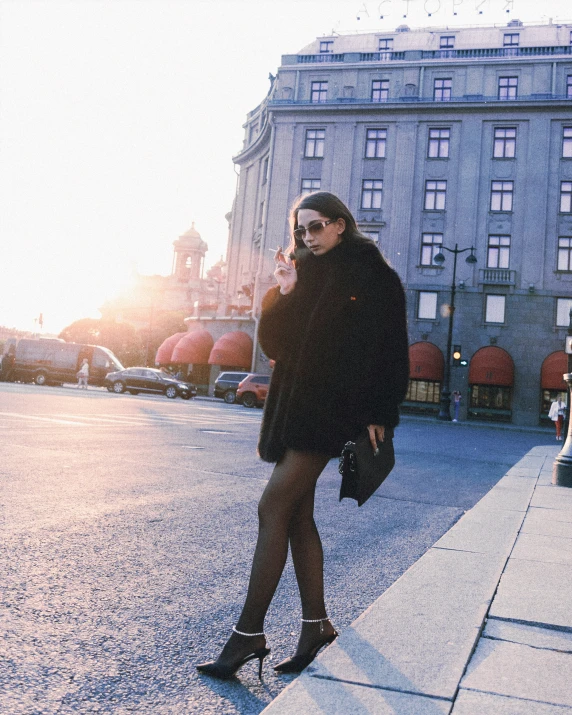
(445, 409)
(562, 467)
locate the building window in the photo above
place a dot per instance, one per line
(424, 391)
(567, 143)
(498, 253)
(511, 42)
(442, 90)
(385, 48)
(319, 92)
(427, 305)
(265, 171)
(315, 143)
(252, 132)
(501, 195)
(439, 143)
(375, 143)
(430, 246)
(309, 185)
(490, 397)
(494, 308)
(504, 146)
(374, 235)
(371, 194)
(566, 197)
(565, 253)
(569, 87)
(326, 46)
(508, 87)
(446, 42)
(563, 308)
(435, 192)
(379, 90)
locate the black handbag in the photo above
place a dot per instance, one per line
(362, 470)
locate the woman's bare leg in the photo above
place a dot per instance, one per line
(293, 478)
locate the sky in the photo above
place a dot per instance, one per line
(119, 120)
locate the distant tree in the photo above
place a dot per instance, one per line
(131, 346)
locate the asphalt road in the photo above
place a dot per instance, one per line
(128, 528)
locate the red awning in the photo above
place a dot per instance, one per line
(491, 366)
(553, 367)
(426, 362)
(166, 348)
(232, 349)
(193, 348)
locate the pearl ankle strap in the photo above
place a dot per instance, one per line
(240, 633)
(316, 620)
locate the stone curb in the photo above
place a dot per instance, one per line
(419, 648)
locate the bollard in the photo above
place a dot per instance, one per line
(562, 468)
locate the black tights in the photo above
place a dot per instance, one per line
(286, 515)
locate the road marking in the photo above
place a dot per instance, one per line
(188, 446)
(214, 431)
(43, 419)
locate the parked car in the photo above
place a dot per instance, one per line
(145, 379)
(252, 391)
(52, 361)
(226, 384)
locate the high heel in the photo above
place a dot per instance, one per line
(224, 672)
(297, 663)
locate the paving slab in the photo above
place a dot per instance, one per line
(509, 494)
(471, 703)
(552, 497)
(528, 635)
(549, 549)
(483, 531)
(315, 696)
(547, 522)
(523, 472)
(520, 671)
(534, 592)
(418, 636)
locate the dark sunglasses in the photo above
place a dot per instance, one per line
(314, 229)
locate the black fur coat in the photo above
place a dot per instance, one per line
(339, 340)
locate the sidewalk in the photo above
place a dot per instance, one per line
(480, 625)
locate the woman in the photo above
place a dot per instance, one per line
(557, 413)
(335, 325)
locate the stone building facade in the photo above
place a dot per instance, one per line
(435, 139)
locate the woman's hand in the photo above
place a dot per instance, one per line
(376, 434)
(285, 272)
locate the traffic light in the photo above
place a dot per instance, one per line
(456, 355)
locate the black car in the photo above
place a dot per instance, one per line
(146, 379)
(226, 383)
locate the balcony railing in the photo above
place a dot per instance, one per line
(408, 99)
(497, 276)
(416, 55)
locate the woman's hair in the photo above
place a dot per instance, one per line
(330, 206)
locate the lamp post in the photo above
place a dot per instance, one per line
(445, 409)
(562, 467)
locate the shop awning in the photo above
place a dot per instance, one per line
(163, 356)
(491, 366)
(426, 362)
(232, 350)
(193, 348)
(554, 366)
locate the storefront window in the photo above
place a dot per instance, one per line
(424, 391)
(490, 397)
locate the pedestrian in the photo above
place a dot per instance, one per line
(556, 414)
(336, 327)
(456, 404)
(83, 374)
